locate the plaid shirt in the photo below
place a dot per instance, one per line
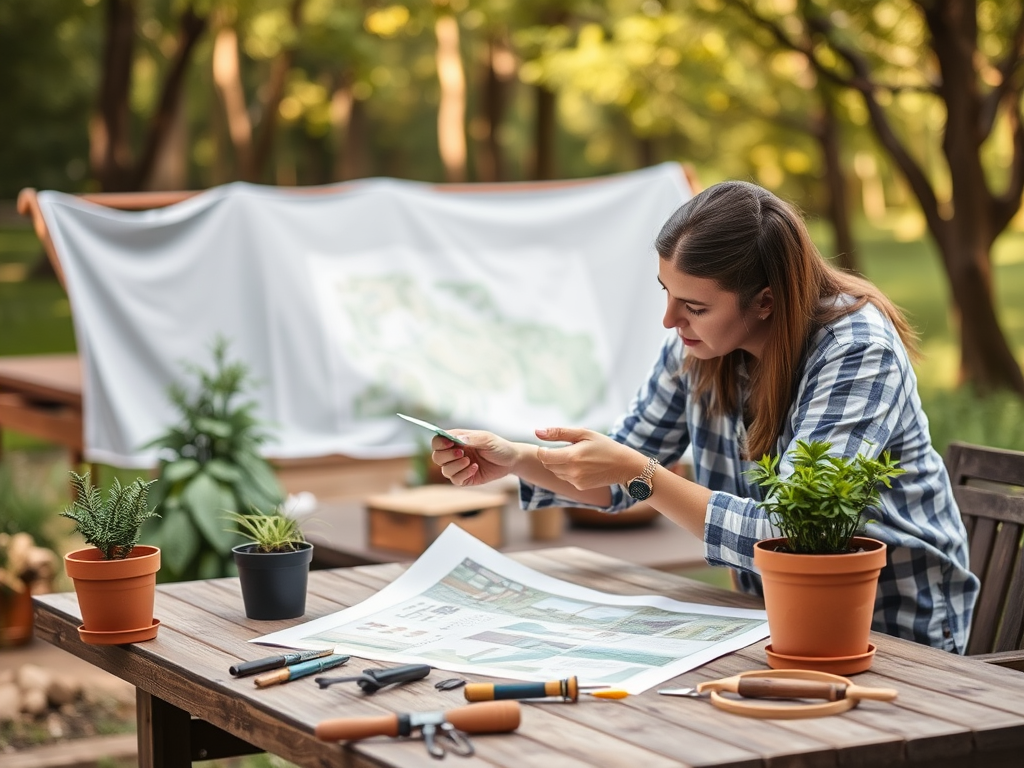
(856, 389)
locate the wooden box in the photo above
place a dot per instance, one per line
(410, 520)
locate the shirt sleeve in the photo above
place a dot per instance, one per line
(850, 395)
(654, 424)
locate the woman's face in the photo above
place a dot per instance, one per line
(708, 319)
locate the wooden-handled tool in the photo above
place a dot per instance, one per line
(759, 688)
(453, 724)
(568, 689)
(793, 688)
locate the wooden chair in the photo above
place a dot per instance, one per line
(988, 484)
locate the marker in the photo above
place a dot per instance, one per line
(276, 662)
(299, 670)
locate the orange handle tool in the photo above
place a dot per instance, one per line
(792, 688)
(485, 717)
(568, 689)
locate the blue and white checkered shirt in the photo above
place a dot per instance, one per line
(857, 389)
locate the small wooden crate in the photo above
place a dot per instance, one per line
(410, 520)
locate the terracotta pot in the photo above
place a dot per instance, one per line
(820, 606)
(115, 596)
(16, 619)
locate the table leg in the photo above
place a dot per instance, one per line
(164, 733)
(170, 737)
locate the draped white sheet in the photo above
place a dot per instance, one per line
(505, 309)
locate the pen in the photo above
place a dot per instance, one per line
(275, 662)
(299, 670)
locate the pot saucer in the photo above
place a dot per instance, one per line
(119, 637)
(836, 665)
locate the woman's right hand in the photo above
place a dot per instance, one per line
(484, 458)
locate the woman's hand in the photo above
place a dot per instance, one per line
(484, 458)
(592, 461)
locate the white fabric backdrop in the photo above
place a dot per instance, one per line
(505, 310)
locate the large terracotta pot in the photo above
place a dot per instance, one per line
(820, 606)
(115, 596)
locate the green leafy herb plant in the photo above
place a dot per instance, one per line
(270, 532)
(112, 524)
(210, 465)
(819, 507)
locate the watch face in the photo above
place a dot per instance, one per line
(638, 489)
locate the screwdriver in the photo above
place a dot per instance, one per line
(569, 689)
(372, 680)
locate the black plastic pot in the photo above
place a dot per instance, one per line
(273, 583)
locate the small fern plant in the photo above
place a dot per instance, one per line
(270, 532)
(112, 524)
(818, 508)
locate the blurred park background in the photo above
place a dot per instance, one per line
(894, 125)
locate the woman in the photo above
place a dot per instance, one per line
(772, 345)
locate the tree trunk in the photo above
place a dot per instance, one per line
(267, 128)
(987, 362)
(835, 179)
(451, 112)
(110, 144)
(348, 116)
(499, 70)
(227, 79)
(170, 166)
(544, 136)
(160, 124)
(966, 238)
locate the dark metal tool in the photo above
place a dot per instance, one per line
(372, 680)
(450, 684)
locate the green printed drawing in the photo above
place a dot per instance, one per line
(450, 342)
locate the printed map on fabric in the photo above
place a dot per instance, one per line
(454, 349)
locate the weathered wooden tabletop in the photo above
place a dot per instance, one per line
(951, 711)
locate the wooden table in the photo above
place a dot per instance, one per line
(951, 711)
(41, 395)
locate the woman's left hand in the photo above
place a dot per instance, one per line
(593, 460)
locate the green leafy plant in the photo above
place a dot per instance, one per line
(210, 464)
(270, 531)
(112, 524)
(818, 508)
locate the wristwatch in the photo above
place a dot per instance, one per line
(641, 487)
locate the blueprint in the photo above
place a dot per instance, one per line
(465, 607)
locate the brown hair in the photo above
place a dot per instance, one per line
(746, 239)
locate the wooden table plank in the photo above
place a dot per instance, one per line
(951, 711)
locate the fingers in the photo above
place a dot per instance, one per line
(455, 464)
(562, 434)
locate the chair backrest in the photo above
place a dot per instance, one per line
(988, 484)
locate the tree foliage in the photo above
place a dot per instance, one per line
(922, 98)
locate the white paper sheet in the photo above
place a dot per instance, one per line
(464, 607)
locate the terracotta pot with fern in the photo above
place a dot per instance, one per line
(819, 578)
(114, 577)
(273, 567)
